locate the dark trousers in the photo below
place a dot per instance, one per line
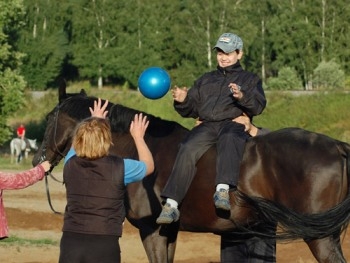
(244, 248)
(229, 138)
(254, 250)
(86, 248)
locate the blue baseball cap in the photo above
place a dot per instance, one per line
(229, 42)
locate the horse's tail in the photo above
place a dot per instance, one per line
(292, 225)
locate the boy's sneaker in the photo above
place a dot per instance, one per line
(222, 200)
(168, 215)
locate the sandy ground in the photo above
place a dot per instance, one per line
(30, 216)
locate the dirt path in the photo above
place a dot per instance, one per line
(29, 216)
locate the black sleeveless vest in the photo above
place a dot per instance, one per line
(95, 195)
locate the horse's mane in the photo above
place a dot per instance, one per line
(77, 106)
(119, 116)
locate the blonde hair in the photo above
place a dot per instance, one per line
(92, 138)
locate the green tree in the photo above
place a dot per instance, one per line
(303, 33)
(44, 42)
(328, 76)
(287, 80)
(95, 38)
(146, 38)
(11, 82)
(114, 41)
(195, 29)
(292, 37)
(333, 20)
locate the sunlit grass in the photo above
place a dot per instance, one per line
(8, 163)
(14, 241)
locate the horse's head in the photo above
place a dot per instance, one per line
(61, 122)
(33, 144)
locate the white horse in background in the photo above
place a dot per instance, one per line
(19, 148)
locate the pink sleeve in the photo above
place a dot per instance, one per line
(21, 179)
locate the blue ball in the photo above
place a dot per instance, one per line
(154, 83)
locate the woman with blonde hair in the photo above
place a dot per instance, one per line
(96, 184)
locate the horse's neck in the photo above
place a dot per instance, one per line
(32, 143)
(123, 145)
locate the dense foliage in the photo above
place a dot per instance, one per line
(12, 84)
(111, 42)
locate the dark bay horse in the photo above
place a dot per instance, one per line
(291, 177)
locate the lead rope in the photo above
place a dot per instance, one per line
(55, 132)
(49, 172)
(48, 192)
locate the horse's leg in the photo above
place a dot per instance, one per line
(160, 244)
(19, 157)
(327, 250)
(158, 249)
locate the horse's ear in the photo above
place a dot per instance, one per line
(62, 95)
(83, 92)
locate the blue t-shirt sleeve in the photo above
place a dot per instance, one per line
(70, 154)
(134, 171)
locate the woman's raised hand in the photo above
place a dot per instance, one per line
(99, 110)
